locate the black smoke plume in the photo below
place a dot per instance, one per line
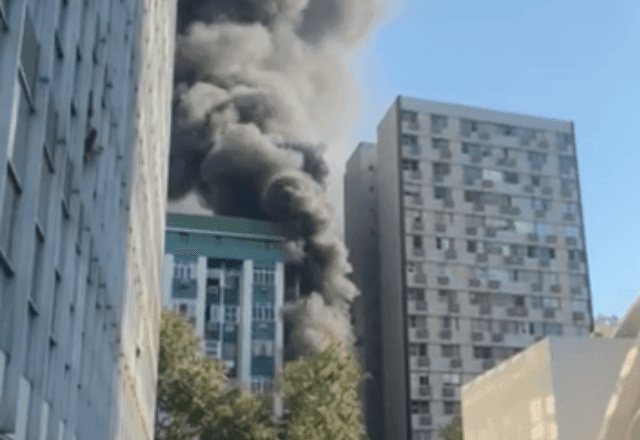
(252, 75)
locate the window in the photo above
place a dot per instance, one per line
(230, 313)
(495, 176)
(419, 407)
(411, 142)
(576, 255)
(29, 56)
(472, 196)
(415, 294)
(260, 348)
(471, 246)
(471, 174)
(568, 187)
(8, 216)
(417, 350)
(473, 150)
(264, 276)
(416, 321)
(567, 165)
(524, 227)
(450, 350)
(440, 193)
(552, 329)
(438, 123)
(451, 407)
(564, 140)
(511, 177)
(440, 169)
(417, 242)
(482, 353)
(537, 160)
(409, 116)
(550, 303)
(264, 313)
(569, 208)
(423, 380)
(451, 379)
(444, 243)
(36, 277)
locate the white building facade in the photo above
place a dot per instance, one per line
(479, 232)
(85, 88)
(227, 277)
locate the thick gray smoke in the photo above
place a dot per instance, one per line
(250, 75)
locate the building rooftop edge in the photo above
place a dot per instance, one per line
(224, 224)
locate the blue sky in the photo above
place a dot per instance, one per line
(567, 59)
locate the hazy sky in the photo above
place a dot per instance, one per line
(568, 59)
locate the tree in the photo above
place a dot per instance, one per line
(194, 397)
(322, 394)
(453, 431)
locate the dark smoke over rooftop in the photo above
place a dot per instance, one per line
(252, 75)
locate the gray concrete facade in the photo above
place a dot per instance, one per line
(481, 246)
(85, 88)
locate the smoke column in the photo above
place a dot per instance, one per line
(250, 74)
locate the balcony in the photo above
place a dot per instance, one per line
(549, 314)
(518, 312)
(477, 336)
(423, 362)
(445, 334)
(421, 333)
(420, 278)
(425, 420)
(456, 363)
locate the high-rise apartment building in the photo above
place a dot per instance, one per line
(230, 277)
(475, 249)
(85, 93)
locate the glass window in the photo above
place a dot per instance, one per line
(567, 164)
(511, 177)
(537, 160)
(438, 123)
(440, 192)
(419, 407)
(29, 53)
(450, 350)
(9, 215)
(471, 174)
(483, 352)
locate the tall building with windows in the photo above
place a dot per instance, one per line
(478, 232)
(85, 93)
(227, 276)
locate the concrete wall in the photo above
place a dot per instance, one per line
(556, 389)
(80, 345)
(361, 233)
(391, 278)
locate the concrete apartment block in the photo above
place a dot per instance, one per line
(558, 388)
(85, 88)
(476, 219)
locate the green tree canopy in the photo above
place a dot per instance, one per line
(453, 431)
(322, 394)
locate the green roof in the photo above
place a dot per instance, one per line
(231, 225)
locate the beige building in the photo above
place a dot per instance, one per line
(85, 88)
(475, 218)
(557, 389)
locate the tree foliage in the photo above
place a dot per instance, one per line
(453, 431)
(321, 393)
(194, 399)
